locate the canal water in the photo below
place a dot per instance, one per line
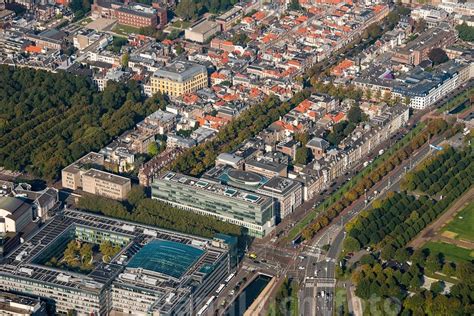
(248, 296)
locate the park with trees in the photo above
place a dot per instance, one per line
(399, 284)
(48, 120)
(392, 222)
(191, 9)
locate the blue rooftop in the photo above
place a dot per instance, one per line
(166, 257)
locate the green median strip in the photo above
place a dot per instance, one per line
(297, 229)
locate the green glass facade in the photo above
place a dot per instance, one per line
(97, 236)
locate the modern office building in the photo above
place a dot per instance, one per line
(155, 272)
(179, 78)
(286, 193)
(244, 208)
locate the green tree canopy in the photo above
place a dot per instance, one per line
(303, 155)
(466, 33)
(438, 56)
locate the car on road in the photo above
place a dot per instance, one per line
(301, 268)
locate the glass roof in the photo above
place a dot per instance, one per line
(166, 257)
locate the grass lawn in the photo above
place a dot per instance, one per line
(181, 24)
(341, 300)
(451, 252)
(86, 21)
(125, 30)
(462, 225)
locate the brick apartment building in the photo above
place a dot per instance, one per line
(417, 50)
(137, 15)
(135, 18)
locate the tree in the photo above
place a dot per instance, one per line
(367, 259)
(378, 94)
(437, 287)
(448, 269)
(86, 253)
(355, 115)
(388, 252)
(303, 155)
(402, 255)
(186, 9)
(153, 149)
(433, 263)
(179, 49)
(136, 194)
(152, 32)
(156, 213)
(108, 250)
(406, 101)
(368, 94)
(351, 244)
(61, 117)
(70, 254)
(466, 33)
(387, 97)
(363, 289)
(465, 271)
(125, 59)
(415, 303)
(416, 283)
(418, 257)
(420, 26)
(174, 34)
(240, 38)
(294, 5)
(438, 56)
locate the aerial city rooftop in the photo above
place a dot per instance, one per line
(200, 158)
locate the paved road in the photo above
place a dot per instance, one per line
(321, 266)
